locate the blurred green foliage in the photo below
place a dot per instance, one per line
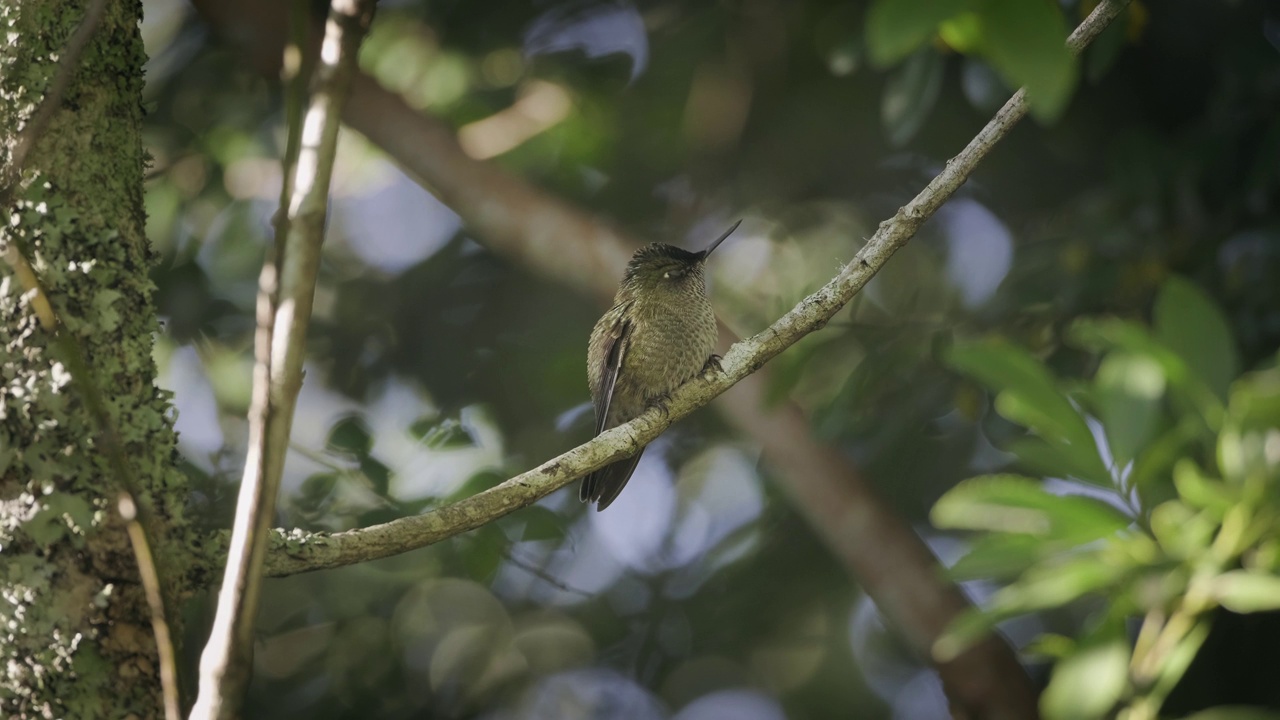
(1191, 453)
(437, 369)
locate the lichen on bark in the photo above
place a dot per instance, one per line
(74, 635)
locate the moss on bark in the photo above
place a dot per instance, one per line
(74, 635)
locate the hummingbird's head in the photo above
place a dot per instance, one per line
(661, 267)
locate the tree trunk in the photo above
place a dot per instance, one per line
(75, 639)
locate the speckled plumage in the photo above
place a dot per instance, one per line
(660, 333)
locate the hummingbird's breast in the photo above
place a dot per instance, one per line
(670, 344)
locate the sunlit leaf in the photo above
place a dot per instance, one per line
(1128, 389)
(966, 629)
(1089, 682)
(1251, 432)
(1028, 395)
(1190, 324)
(350, 436)
(1153, 469)
(1045, 586)
(963, 33)
(1181, 531)
(1051, 645)
(999, 556)
(1109, 334)
(909, 95)
(1016, 504)
(1199, 490)
(1026, 42)
(1053, 585)
(1247, 591)
(897, 27)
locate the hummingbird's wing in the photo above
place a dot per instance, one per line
(616, 341)
(603, 485)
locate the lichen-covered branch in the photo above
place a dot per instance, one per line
(287, 288)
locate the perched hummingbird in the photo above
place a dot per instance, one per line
(659, 333)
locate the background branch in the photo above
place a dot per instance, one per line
(286, 292)
(529, 226)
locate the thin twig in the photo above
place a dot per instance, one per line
(286, 292)
(136, 517)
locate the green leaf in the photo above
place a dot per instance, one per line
(1016, 504)
(1048, 586)
(963, 33)
(1246, 442)
(895, 28)
(1181, 531)
(484, 553)
(1026, 43)
(316, 490)
(350, 436)
(1200, 491)
(1153, 469)
(541, 524)
(1027, 395)
(967, 628)
(1058, 461)
(1050, 645)
(1045, 586)
(1087, 684)
(1128, 389)
(1109, 334)
(378, 474)
(1247, 591)
(909, 95)
(999, 556)
(1191, 325)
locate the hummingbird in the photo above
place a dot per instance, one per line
(660, 332)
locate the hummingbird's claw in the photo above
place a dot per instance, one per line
(661, 404)
(713, 363)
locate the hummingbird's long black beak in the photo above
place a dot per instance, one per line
(716, 243)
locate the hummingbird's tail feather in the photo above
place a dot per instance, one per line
(602, 486)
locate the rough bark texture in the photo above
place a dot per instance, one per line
(74, 635)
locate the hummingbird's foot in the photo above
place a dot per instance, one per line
(660, 403)
(713, 363)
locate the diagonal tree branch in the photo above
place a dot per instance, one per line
(519, 221)
(287, 288)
